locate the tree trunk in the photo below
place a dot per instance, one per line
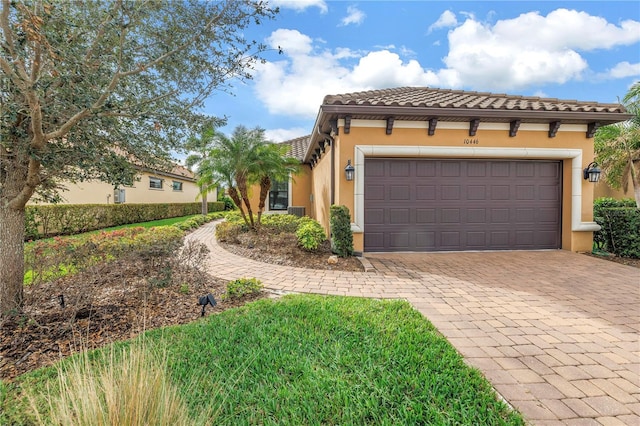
(233, 193)
(11, 259)
(265, 185)
(205, 206)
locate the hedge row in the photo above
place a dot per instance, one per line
(51, 220)
(620, 227)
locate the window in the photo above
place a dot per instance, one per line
(279, 195)
(177, 186)
(155, 183)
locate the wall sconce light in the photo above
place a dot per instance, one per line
(349, 171)
(592, 172)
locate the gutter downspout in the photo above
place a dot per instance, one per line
(328, 137)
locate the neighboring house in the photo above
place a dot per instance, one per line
(149, 186)
(448, 170)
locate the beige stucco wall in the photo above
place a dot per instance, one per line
(96, 192)
(414, 134)
(601, 189)
(301, 190)
(321, 189)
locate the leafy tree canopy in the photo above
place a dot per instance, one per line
(79, 78)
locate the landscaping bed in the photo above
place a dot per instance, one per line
(281, 248)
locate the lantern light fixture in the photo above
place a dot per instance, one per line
(592, 172)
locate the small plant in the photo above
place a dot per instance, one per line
(242, 287)
(184, 288)
(130, 387)
(228, 232)
(341, 234)
(310, 234)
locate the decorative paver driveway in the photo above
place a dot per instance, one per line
(557, 333)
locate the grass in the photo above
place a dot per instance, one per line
(317, 360)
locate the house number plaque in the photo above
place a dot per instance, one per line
(471, 141)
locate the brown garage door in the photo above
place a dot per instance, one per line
(440, 205)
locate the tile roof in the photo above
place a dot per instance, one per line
(299, 146)
(426, 97)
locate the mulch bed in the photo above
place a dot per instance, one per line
(118, 300)
(282, 249)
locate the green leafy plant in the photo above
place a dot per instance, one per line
(619, 222)
(310, 234)
(242, 287)
(341, 234)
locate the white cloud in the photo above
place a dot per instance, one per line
(514, 54)
(354, 16)
(531, 49)
(624, 69)
(300, 5)
(281, 135)
(446, 20)
(297, 84)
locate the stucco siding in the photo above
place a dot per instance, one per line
(96, 192)
(490, 138)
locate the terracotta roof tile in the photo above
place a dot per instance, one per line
(445, 98)
(299, 146)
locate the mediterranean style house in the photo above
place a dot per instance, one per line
(424, 169)
(149, 186)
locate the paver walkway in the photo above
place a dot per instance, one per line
(557, 333)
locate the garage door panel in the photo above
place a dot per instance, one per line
(375, 192)
(399, 216)
(425, 215)
(399, 240)
(399, 169)
(450, 240)
(426, 240)
(461, 204)
(425, 192)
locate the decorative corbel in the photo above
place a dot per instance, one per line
(591, 129)
(553, 128)
(513, 128)
(433, 122)
(347, 124)
(473, 126)
(389, 125)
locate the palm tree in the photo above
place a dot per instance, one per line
(200, 145)
(618, 147)
(243, 160)
(272, 164)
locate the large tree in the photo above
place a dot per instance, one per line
(89, 88)
(618, 148)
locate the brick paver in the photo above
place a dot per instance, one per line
(557, 333)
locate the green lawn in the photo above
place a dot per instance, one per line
(310, 360)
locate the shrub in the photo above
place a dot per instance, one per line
(281, 222)
(310, 234)
(51, 220)
(620, 226)
(241, 287)
(228, 203)
(341, 234)
(228, 232)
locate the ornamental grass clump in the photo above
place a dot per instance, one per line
(130, 386)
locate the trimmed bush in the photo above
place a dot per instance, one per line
(237, 289)
(620, 226)
(310, 234)
(51, 220)
(281, 222)
(341, 234)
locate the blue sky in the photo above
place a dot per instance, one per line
(581, 50)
